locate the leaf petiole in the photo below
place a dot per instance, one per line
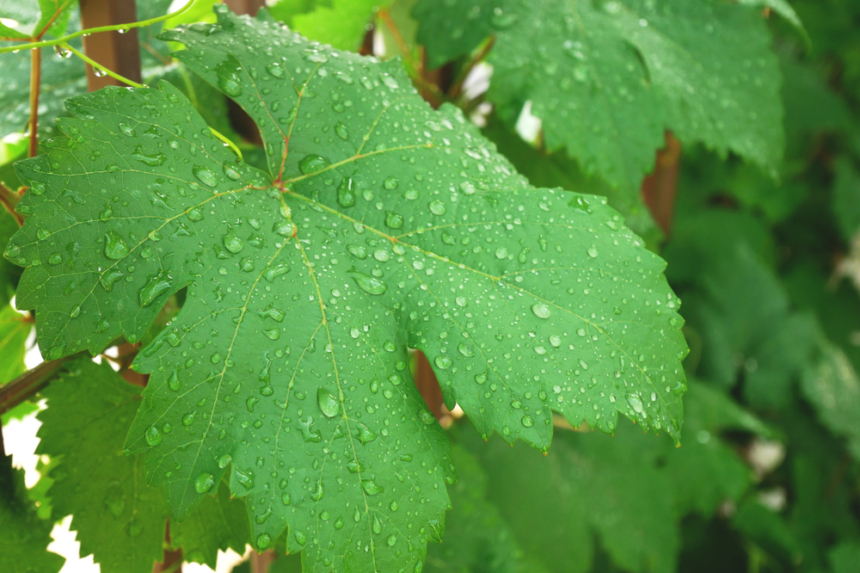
(88, 31)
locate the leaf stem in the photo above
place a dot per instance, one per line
(35, 85)
(101, 68)
(30, 382)
(88, 31)
(9, 199)
(227, 142)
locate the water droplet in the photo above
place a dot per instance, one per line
(153, 436)
(313, 163)
(592, 252)
(263, 541)
(231, 173)
(230, 85)
(443, 362)
(346, 193)
(541, 310)
(393, 220)
(528, 422)
(115, 246)
(204, 482)
(635, 403)
(204, 175)
(154, 287)
(370, 285)
(437, 207)
(233, 243)
(391, 183)
(151, 160)
(224, 461)
(328, 403)
(370, 487)
(341, 131)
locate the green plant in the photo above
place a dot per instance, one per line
(266, 289)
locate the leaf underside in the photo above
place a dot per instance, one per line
(379, 225)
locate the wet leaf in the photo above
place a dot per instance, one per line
(608, 78)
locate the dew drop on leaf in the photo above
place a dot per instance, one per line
(204, 482)
(204, 175)
(328, 403)
(370, 285)
(541, 310)
(115, 246)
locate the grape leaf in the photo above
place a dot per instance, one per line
(61, 78)
(24, 537)
(784, 9)
(558, 170)
(845, 557)
(846, 199)
(13, 336)
(833, 389)
(119, 519)
(89, 412)
(386, 224)
(583, 488)
(765, 528)
(608, 78)
(629, 490)
(53, 14)
(342, 25)
(742, 313)
(476, 536)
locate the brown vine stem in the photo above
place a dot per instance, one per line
(30, 382)
(658, 189)
(35, 85)
(428, 385)
(9, 199)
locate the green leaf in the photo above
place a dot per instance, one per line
(386, 225)
(765, 528)
(630, 491)
(14, 331)
(89, 412)
(476, 536)
(285, 10)
(61, 78)
(558, 170)
(833, 389)
(342, 25)
(118, 518)
(608, 78)
(784, 9)
(586, 486)
(741, 312)
(706, 470)
(846, 199)
(24, 537)
(845, 557)
(219, 522)
(32, 17)
(54, 16)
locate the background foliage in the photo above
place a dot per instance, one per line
(763, 250)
